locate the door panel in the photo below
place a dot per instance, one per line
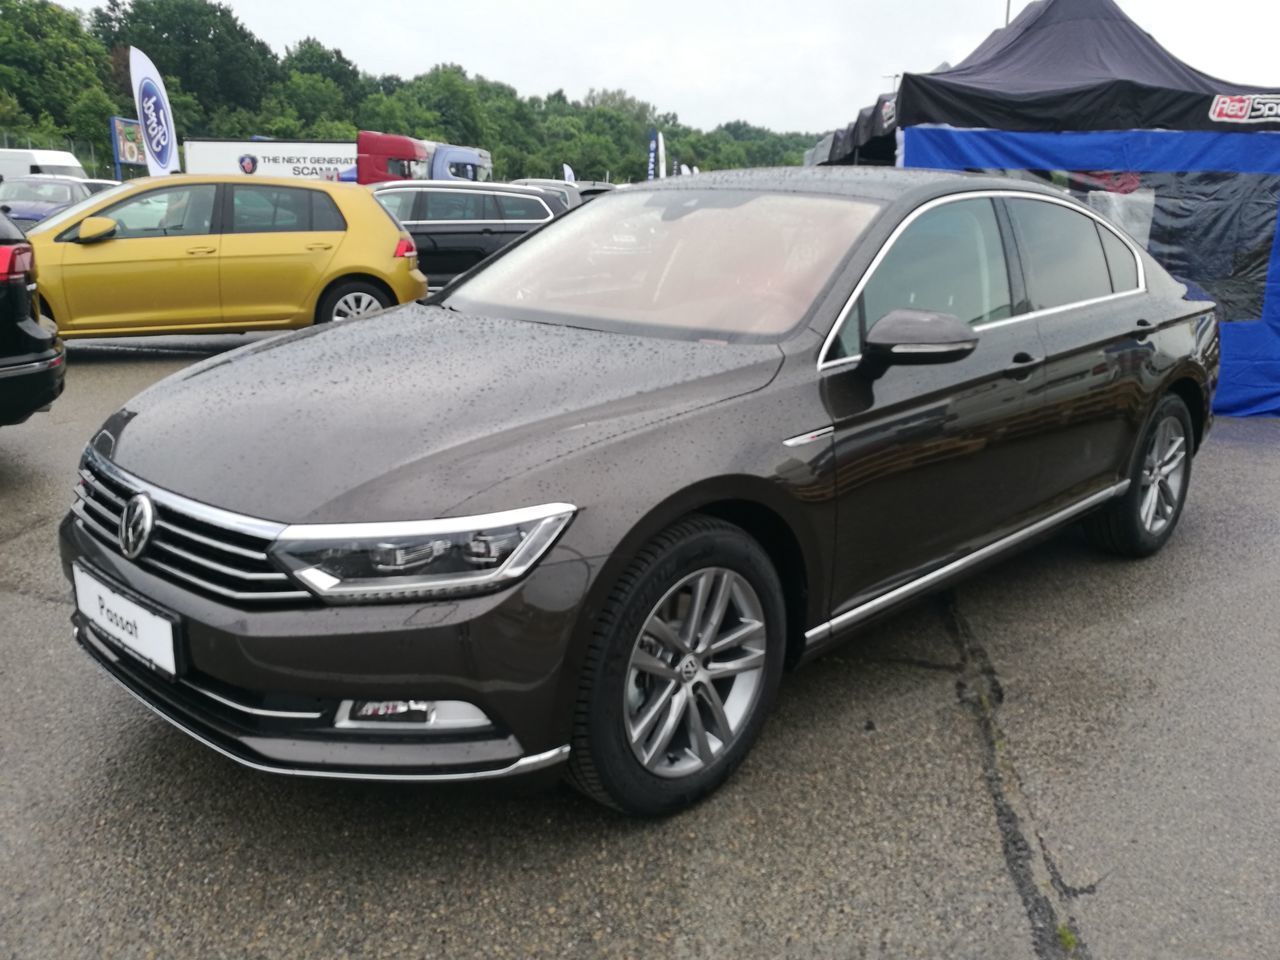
(1096, 351)
(160, 269)
(933, 460)
(462, 228)
(272, 259)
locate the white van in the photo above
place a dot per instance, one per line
(21, 163)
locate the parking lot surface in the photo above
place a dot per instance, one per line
(1068, 756)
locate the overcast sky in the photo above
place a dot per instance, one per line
(785, 64)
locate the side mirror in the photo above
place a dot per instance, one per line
(918, 336)
(96, 229)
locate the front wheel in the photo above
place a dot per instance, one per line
(682, 669)
(1141, 522)
(351, 299)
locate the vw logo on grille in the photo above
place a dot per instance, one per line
(136, 524)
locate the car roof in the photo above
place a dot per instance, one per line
(46, 178)
(488, 185)
(886, 184)
(177, 179)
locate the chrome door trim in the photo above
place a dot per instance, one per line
(812, 435)
(921, 584)
(824, 364)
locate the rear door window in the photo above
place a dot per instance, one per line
(262, 209)
(458, 205)
(1062, 258)
(325, 215)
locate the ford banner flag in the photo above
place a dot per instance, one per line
(158, 134)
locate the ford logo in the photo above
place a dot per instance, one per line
(156, 121)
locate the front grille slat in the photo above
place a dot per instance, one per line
(187, 545)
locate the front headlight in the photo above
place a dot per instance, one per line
(423, 559)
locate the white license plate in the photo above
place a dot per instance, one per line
(132, 626)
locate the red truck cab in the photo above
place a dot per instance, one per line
(388, 156)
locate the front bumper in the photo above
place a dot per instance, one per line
(265, 687)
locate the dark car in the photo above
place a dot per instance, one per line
(30, 199)
(588, 505)
(456, 224)
(31, 355)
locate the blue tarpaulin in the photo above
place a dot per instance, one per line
(1215, 194)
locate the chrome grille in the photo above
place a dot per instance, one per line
(210, 552)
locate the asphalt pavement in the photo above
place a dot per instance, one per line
(1067, 756)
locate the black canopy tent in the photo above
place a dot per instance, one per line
(1074, 92)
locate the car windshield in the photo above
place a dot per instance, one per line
(73, 212)
(731, 265)
(37, 191)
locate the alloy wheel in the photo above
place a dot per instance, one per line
(695, 672)
(354, 304)
(1164, 472)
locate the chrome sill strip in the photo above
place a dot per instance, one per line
(22, 369)
(809, 437)
(537, 761)
(920, 585)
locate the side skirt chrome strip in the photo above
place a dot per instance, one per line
(812, 435)
(920, 585)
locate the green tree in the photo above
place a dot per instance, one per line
(218, 59)
(47, 58)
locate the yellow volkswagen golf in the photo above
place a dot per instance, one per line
(215, 254)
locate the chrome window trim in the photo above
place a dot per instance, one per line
(824, 364)
(484, 193)
(921, 584)
(216, 516)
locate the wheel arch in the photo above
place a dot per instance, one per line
(1192, 394)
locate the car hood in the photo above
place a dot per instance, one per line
(409, 414)
(31, 209)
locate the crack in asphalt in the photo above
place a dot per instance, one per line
(978, 688)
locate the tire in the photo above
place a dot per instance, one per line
(350, 299)
(1135, 525)
(616, 696)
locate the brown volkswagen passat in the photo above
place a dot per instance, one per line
(589, 505)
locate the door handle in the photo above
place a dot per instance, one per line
(1021, 365)
(201, 251)
(1142, 328)
(319, 246)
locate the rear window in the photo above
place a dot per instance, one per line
(731, 265)
(522, 208)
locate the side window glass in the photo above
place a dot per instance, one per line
(521, 208)
(455, 205)
(949, 260)
(398, 202)
(176, 212)
(1062, 257)
(1120, 261)
(270, 210)
(325, 215)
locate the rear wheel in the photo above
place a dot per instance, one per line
(682, 669)
(351, 299)
(1139, 523)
